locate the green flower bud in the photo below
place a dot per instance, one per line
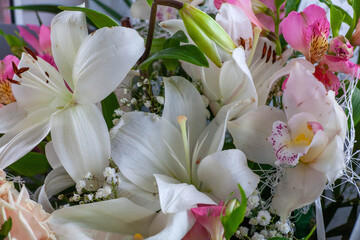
(206, 33)
(231, 206)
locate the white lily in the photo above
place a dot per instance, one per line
(309, 135)
(64, 102)
(248, 73)
(177, 156)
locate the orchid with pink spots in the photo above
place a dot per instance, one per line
(307, 135)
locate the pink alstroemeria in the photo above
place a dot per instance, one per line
(355, 39)
(7, 72)
(246, 6)
(208, 223)
(40, 43)
(307, 32)
(267, 20)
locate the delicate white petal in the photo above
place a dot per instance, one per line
(173, 25)
(250, 133)
(51, 156)
(235, 79)
(331, 161)
(116, 215)
(175, 225)
(140, 9)
(301, 185)
(182, 99)
(176, 197)
(68, 30)
(116, 50)
(137, 195)
(235, 23)
(10, 115)
(40, 86)
(23, 137)
(55, 182)
(221, 172)
(81, 140)
(141, 145)
(265, 72)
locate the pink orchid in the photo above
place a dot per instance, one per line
(41, 44)
(307, 32)
(246, 6)
(7, 72)
(208, 224)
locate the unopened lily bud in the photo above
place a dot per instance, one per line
(259, 7)
(355, 39)
(341, 47)
(231, 206)
(206, 33)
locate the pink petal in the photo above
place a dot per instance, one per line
(49, 59)
(293, 28)
(313, 12)
(329, 79)
(197, 232)
(6, 69)
(34, 28)
(44, 39)
(30, 39)
(315, 126)
(355, 39)
(337, 64)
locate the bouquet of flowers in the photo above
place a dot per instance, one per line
(224, 119)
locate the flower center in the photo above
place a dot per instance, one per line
(318, 47)
(182, 122)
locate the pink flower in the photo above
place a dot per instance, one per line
(208, 224)
(246, 6)
(6, 72)
(40, 43)
(28, 217)
(341, 47)
(307, 32)
(266, 20)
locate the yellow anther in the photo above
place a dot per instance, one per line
(138, 236)
(302, 139)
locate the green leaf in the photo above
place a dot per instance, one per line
(181, 36)
(41, 8)
(310, 234)
(356, 106)
(188, 53)
(347, 19)
(278, 3)
(150, 2)
(31, 164)
(336, 19)
(356, 7)
(99, 19)
(291, 5)
(157, 45)
(108, 106)
(5, 228)
(109, 10)
(233, 221)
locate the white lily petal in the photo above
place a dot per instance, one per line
(175, 225)
(140, 9)
(173, 25)
(137, 195)
(10, 115)
(177, 197)
(264, 70)
(250, 133)
(331, 161)
(232, 164)
(140, 146)
(40, 86)
(68, 30)
(116, 50)
(56, 181)
(301, 185)
(235, 22)
(51, 156)
(23, 137)
(235, 79)
(182, 99)
(81, 140)
(116, 215)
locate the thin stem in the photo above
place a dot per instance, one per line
(150, 36)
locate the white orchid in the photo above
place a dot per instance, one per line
(63, 101)
(307, 137)
(178, 157)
